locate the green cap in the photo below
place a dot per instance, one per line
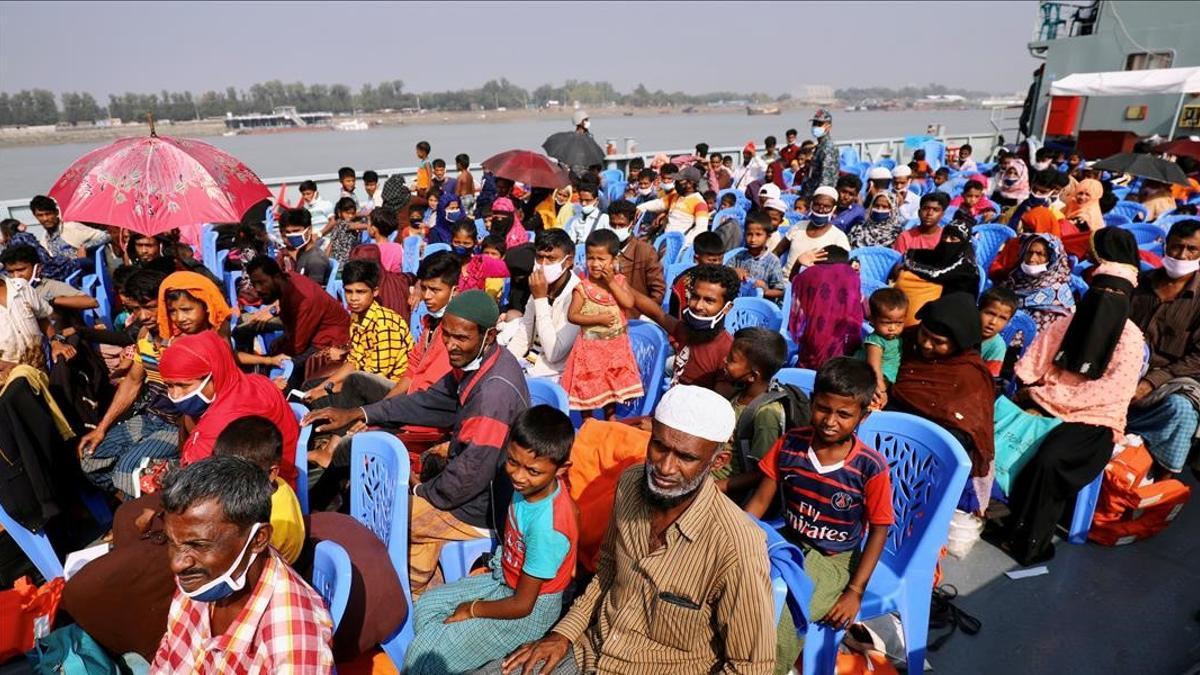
(476, 307)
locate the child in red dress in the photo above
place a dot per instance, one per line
(601, 370)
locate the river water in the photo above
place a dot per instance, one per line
(29, 170)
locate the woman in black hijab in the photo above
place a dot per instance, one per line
(950, 264)
(1083, 370)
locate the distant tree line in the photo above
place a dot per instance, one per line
(861, 93)
(38, 106)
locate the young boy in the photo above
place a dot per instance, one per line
(348, 180)
(965, 163)
(439, 176)
(493, 246)
(320, 209)
(464, 184)
(996, 309)
(835, 490)
(374, 195)
(974, 204)
(301, 253)
(940, 177)
(757, 265)
(928, 232)
(849, 210)
(708, 249)
(424, 170)
(257, 440)
(881, 349)
(804, 244)
(464, 625)
(381, 226)
(756, 356)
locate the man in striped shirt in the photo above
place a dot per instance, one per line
(682, 583)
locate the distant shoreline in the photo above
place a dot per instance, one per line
(216, 127)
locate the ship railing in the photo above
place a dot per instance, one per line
(869, 150)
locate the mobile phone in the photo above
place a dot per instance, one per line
(296, 395)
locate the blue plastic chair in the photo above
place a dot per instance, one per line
(737, 195)
(434, 248)
(749, 312)
(547, 392)
(1113, 219)
(789, 199)
(35, 545)
(988, 239)
(609, 176)
(412, 254)
(481, 228)
(669, 245)
(208, 249)
(788, 175)
(379, 467)
(230, 280)
(800, 378)
(580, 255)
(731, 254)
(1021, 324)
(333, 285)
(415, 325)
(302, 456)
(724, 214)
(875, 263)
(1165, 221)
(457, 557)
(106, 294)
(284, 371)
(848, 158)
(1078, 286)
(331, 578)
(1150, 237)
(650, 350)
(615, 190)
(670, 275)
(1131, 210)
(928, 470)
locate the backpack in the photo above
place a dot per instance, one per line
(797, 412)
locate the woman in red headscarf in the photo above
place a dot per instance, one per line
(204, 383)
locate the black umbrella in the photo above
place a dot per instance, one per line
(1144, 166)
(574, 150)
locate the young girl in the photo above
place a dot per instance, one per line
(601, 370)
(479, 271)
(882, 348)
(342, 232)
(493, 247)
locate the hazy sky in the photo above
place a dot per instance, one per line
(107, 47)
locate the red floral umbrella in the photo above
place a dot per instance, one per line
(157, 183)
(528, 167)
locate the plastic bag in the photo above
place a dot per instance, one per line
(28, 613)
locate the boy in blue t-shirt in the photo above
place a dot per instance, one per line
(996, 309)
(835, 492)
(757, 266)
(463, 625)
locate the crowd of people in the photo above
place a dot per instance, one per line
(622, 542)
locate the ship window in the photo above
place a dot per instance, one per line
(1148, 60)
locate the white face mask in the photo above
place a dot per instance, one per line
(477, 362)
(553, 271)
(1042, 165)
(667, 186)
(645, 191)
(1034, 270)
(1177, 269)
(623, 233)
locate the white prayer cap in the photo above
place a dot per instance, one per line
(827, 191)
(579, 117)
(901, 171)
(879, 173)
(776, 204)
(769, 191)
(696, 411)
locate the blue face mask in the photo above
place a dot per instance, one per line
(193, 404)
(454, 216)
(461, 250)
(296, 240)
(819, 218)
(696, 322)
(818, 132)
(880, 215)
(225, 585)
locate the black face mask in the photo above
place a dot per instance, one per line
(501, 225)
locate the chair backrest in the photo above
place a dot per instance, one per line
(758, 312)
(671, 275)
(988, 239)
(800, 378)
(788, 175)
(610, 176)
(1020, 324)
(208, 249)
(105, 294)
(547, 392)
(331, 578)
(929, 470)
(481, 228)
(669, 245)
(434, 248)
(1149, 236)
(333, 285)
(789, 198)
(650, 349)
(724, 214)
(379, 468)
(415, 325)
(1164, 222)
(848, 157)
(1114, 219)
(875, 262)
(1131, 210)
(737, 195)
(231, 286)
(580, 255)
(302, 456)
(412, 254)
(615, 190)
